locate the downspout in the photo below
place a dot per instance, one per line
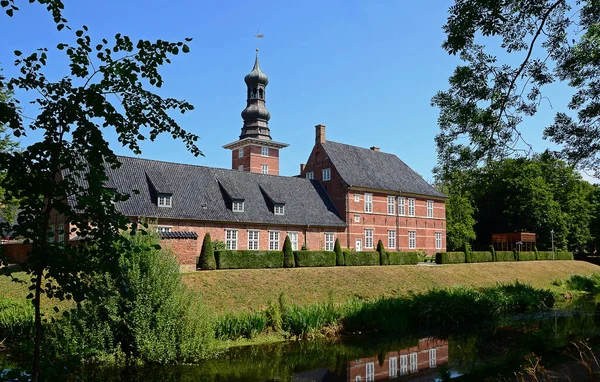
(347, 219)
(398, 221)
(305, 234)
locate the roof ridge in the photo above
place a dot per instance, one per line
(363, 148)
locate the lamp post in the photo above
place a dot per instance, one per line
(552, 235)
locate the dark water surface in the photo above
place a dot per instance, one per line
(484, 353)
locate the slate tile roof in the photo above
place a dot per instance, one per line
(201, 193)
(378, 170)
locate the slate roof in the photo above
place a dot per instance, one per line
(178, 235)
(201, 193)
(375, 169)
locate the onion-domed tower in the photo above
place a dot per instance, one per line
(255, 151)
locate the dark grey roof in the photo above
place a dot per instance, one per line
(178, 235)
(159, 181)
(378, 170)
(198, 194)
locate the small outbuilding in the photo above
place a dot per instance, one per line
(521, 241)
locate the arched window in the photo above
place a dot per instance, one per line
(254, 93)
(260, 93)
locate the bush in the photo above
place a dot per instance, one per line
(493, 251)
(403, 258)
(505, 256)
(234, 326)
(16, 319)
(526, 256)
(449, 257)
(339, 255)
(583, 283)
(481, 256)
(288, 254)
(248, 259)
(467, 250)
(361, 258)
(564, 256)
(207, 255)
(544, 255)
(383, 258)
(314, 258)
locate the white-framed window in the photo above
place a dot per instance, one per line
(391, 239)
(164, 200)
(51, 233)
(329, 241)
(294, 240)
(393, 363)
(264, 168)
(237, 206)
(310, 175)
(391, 205)
(414, 367)
(264, 151)
(368, 238)
(241, 167)
(432, 358)
(401, 205)
(411, 206)
(370, 374)
(438, 240)
(163, 228)
(326, 174)
(358, 378)
(430, 208)
(253, 239)
(241, 152)
(273, 240)
(231, 236)
(357, 218)
(279, 209)
(403, 364)
(60, 230)
(368, 203)
(412, 239)
(357, 198)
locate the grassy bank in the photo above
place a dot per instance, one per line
(252, 289)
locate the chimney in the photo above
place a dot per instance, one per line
(320, 134)
(374, 148)
(302, 166)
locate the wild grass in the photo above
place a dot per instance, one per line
(16, 319)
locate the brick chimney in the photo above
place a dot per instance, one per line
(302, 166)
(320, 134)
(374, 148)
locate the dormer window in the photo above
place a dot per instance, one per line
(279, 209)
(326, 174)
(310, 175)
(164, 200)
(237, 206)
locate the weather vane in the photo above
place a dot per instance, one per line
(258, 35)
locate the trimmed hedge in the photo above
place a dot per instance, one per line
(403, 258)
(526, 256)
(449, 257)
(314, 258)
(564, 256)
(544, 255)
(481, 257)
(248, 259)
(361, 258)
(505, 256)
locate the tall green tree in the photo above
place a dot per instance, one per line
(107, 86)
(8, 206)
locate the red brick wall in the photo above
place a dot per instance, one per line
(253, 159)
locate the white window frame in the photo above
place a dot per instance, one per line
(329, 241)
(60, 230)
(414, 363)
(264, 151)
(403, 364)
(231, 239)
(310, 175)
(432, 358)
(412, 239)
(358, 378)
(241, 152)
(438, 240)
(411, 206)
(51, 233)
(237, 206)
(165, 200)
(368, 203)
(369, 238)
(393, 367)
(391, 239)
(357, 198)
(370, 372)
(391, 205)
(274, 241)
(357, 218)
(430, 208)
(326, 174)
(279, 209)
(264, 168)
(253, 240)
(294, 240)
(163, 228)
(241, 167)
(401, 206)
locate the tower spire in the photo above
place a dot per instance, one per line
(255, 115)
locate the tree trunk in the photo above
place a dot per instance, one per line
(38, 329)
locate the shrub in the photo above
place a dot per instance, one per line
(383, 258)
(248, 259)
(518, 297)
(238, 325)
(449, 257)
(468, 258)
(564, 256)
(339, 255)
(314, 258)
(207, 255)
(403, 258)
(481, 256)
(505, 256)
(16, 319)
(582, 283)
(361, 258)
(537, 255)
(273, 316)
(302, 321)
(288, 254)
(493, 251)
(526, 256)
(544, 255)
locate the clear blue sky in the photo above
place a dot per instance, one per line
(365, 69)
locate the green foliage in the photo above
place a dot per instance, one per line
(493, 251)
(244, 325)
(403, 258)
(304, 321)
(219, 245)
(273, 318)
(505, 256)
(16, 319)
(544, 255)
(481, 256)
(518, 297)
(288, 254)
(315, 258)
(590, 284)
(459, 214)
(467, 250)
(526, 256)
(564, 256)
(383, 258)
(339, 255)
(352, 258)
(449, 257)
(228, 259)
(207, 255)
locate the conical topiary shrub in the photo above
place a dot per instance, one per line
(207, 255)
(339, 255)
(468, 258)
(383, 259)
(288, 254)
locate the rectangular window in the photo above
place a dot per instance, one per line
(310, 175)
(401, 206)
(329, 241)
(357, 218)
(241, 167)
(430, 208)
(414, 367)
(393, 362)
(60, 230)
(403, 364)
(231, 236)
(326, 174)
(432, 359)
(264, 168)
(237, 206)
(391, 205)
(370, 376)
(357, 198)
(411, 207)
(241, 152)
(438, 240)
(265, 151)
(51, 233)
(279, 209)
(391, 239)
(162, 228)
(164, 200)
(294, 240)
(253, 239)
(273, 240)
(368, 203)
(369, 238)
(412, 239)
